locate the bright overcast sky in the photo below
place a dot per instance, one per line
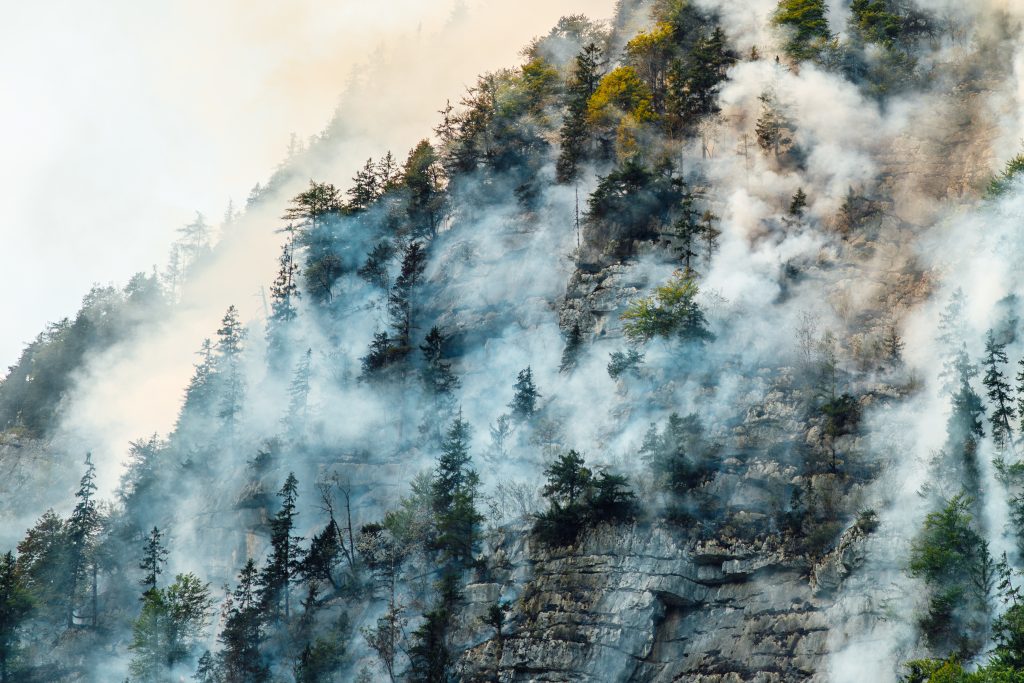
(122, 118)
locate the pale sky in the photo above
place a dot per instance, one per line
(123, 118)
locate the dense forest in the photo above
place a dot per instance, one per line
(688, 348)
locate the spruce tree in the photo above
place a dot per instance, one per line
(230, 336)
(365, 187)
(575, 133)
(381, 354)
(298, 395)
(400, 300)
(772, 128)
(524, 402)
(242, 635)
(82, 526)
(438, 378)
(455, 488)
(798, 204)
(285, 558)
(15, 608)
(573, 347)
(283, 293)
(998, 391)
(154, 556)
(375, 270)
(439, 383)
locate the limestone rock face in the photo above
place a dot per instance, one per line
(642, 603)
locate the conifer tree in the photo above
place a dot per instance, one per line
(808, 26)
(400, 300)
(772, 128)
(240, 658)
(455, 489)
(798, 204)
(688, 229)
(285, 558)
(567, 480)
(573, 347)
(998, 391)
(283, 293)
(365, 187)
(694, 81)
(438, 377)
(311, 207)
(381, 354)
(230, 336)
(199, 392)
(524, 402)
(154, 556)
(1020, 394)
(194, 241)
(15, 607)
(298, 395)
(424, 181)
(439, 382)
(82, 526)
(375, 270)
(574, 133)
(389, 175)
(952, 333)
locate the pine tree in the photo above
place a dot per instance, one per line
(688, 229)
(439, 381)
(154, 556)
(389, 175)
(806, 20)
(43, 560)
(574, 133)
(199, 393)
(207, 669)
(382, 353)
(283, 293)
(798, 204)
(424, 181)
(365, 187)
(998, 391)
(285, 558)
(952, 333)
(313, 206)
(573, 347)
(430, 656)
(400, 300)
(455, 489)
(524, 402)
(82, 526)
(240, 658)
(298, 395)
(375, 270)
(693, 83)
(772, 128)
(568, 479)
(1020, 394)
(230, 336)
(892, 345)
(15, 607)
(194, 241)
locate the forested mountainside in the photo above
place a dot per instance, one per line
(688, 348)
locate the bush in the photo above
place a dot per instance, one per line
(672, 311)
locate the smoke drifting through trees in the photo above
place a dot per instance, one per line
(421, 326)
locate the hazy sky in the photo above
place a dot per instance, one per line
(122, 118)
